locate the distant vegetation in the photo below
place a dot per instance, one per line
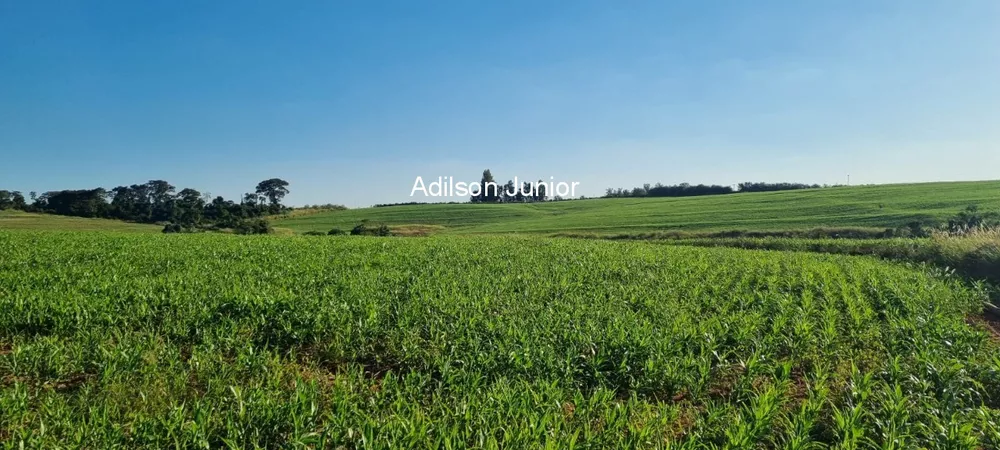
(688, 190)
(323, 207)
(659, 190)
(866, 209)
(158, 201)
(969, 221)
(771, 187)
(12, 200)
(507, 192)
(969, 242)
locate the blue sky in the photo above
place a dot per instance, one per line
(350, 101)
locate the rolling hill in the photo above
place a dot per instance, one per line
(876, 206)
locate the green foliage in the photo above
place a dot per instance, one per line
(750, 186)
(362, 229)
(155, 201)
(12, 200)
(973, 255)
(359, 229)
(874, 207)
(486, 193)
(273, 190)
(220, 341)
(253, 226)
(659, 190)
(336, 232)
(174, 228)
(915, 229)
(971, 220)
(323, 207)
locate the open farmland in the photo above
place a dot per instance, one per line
(19, 220)
(882, 206)
(196, 341)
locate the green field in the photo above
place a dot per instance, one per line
(19, 220)
(115, 340)
(862, 206)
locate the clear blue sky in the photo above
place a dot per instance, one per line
(218, 95)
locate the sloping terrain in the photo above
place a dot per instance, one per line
(879, 206)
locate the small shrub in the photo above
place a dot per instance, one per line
(173, 228)
(314, 233)
(336, 232)
(253, 226)
(364, 230)
(917, 229)
(971, 220)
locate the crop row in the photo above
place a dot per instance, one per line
(204, 341)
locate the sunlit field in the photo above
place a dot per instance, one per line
(220, 341)
(874, 207)
(19, 220)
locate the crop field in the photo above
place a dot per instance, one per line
(210, 341)
(879, 207)
(18, 220)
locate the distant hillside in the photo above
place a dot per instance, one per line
(19, 220)
(857, 206)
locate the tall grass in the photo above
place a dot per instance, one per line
(974, 254)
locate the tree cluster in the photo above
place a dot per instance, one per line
(322, 207)
(12, 200)
(158, 201)
(771, 187)
(971, 220)
(660, 190)
(492, 192)
(688, 190)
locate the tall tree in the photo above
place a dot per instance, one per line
(525, 193)
(273, 190)
(540, 192)
(509, 192)
(161, 198)
(18, 199)
(189, 207)
(6, 200)
(487, 193)
(80, 203)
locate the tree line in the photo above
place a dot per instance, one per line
(492, 192)
(689, 190)
(12, 200)
(158, 201)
